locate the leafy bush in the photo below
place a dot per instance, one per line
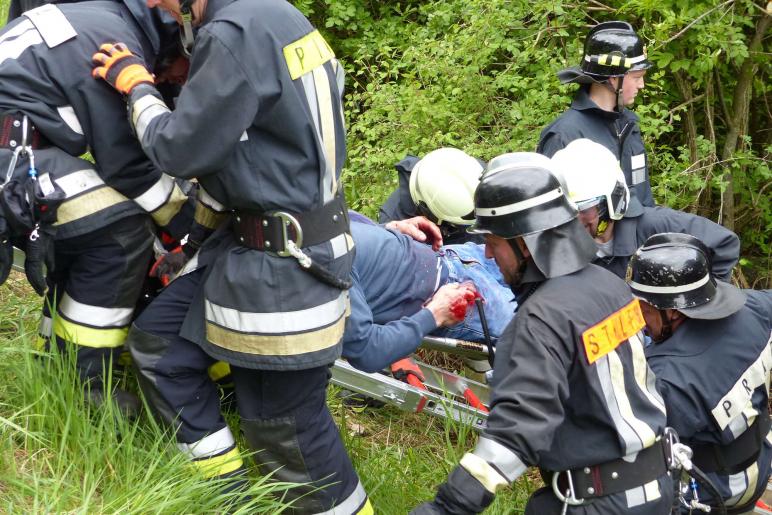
(480, 75)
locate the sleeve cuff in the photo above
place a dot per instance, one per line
(425, 321)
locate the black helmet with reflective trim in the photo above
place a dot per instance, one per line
(611, 49)
(520, 195)
(673, 271)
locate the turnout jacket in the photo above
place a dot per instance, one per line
(618, 132)
(714, 376)
(45, 72)
(570, 389)
(631, 232)
(259, 123)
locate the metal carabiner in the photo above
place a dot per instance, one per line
(12, 163)
(569, 498)
(288, 220)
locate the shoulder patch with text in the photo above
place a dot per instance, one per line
(307, 53)
(606, 336)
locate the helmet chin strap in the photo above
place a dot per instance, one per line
(521, 259)
(620, 104)
(667, 327)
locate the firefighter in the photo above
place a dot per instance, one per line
(439, 186)
(611, 74)
(569, 390)
(712, 358)
(617, 221)
(259, 123)
(97, 244)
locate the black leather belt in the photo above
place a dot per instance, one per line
(736, 456)
(12, 133)
(270, 231)
(617, 475)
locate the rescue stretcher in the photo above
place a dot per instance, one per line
(444, 393)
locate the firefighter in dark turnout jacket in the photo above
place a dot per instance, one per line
(611, 73)
(712, 358)
(571, 392)
(102, 231)
(616, 220)
(259, 123)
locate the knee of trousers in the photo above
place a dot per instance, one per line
(146, 351)
(312, 455)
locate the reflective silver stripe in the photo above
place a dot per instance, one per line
(52, 24)
(278, 323)
(143, 111)
(630, 60)
(643, 374)
(617, 371)
(22, 27)
(79, 181)
(45, 328)
(209, 201)
(351, 504)
(632, 442)
(341, 245)
(13, 48)
(519, 206)
(157, 194)
(737, 399)
(210, 445)
(503, 459)
(669, 289)
(94, 316)
(70, 118)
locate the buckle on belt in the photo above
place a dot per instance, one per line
(287, 221)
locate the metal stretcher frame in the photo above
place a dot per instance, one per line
(439, 400)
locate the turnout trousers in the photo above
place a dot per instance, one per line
(93, 290)
(284, 417)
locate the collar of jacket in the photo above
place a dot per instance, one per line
(212, 7)
(626, 235)
(686, 341)
(583, 102)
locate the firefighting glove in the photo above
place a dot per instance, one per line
(406, 367)
(120, 68)
(6, 251)
(39, 252)
(168, 265)
(460, 495)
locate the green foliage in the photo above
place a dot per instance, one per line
(480, 75)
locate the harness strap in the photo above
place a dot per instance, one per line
(618, 475)
(270, 231)
(738, 455)
(12, 133)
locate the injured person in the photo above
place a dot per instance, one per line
(403, 290)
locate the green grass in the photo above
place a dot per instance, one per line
(59, 455)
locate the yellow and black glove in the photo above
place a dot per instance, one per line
(123, 70)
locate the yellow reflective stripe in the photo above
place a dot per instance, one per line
(367, 509)
(208, 217)
(171, 207)
(307, 53)
(88, 204)
(219, 370)
(615, 60)
(219, 465)
(89, 336)
(488, 476)
(327, 120)
(628, 62)
(276, 345)
(40, 343)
